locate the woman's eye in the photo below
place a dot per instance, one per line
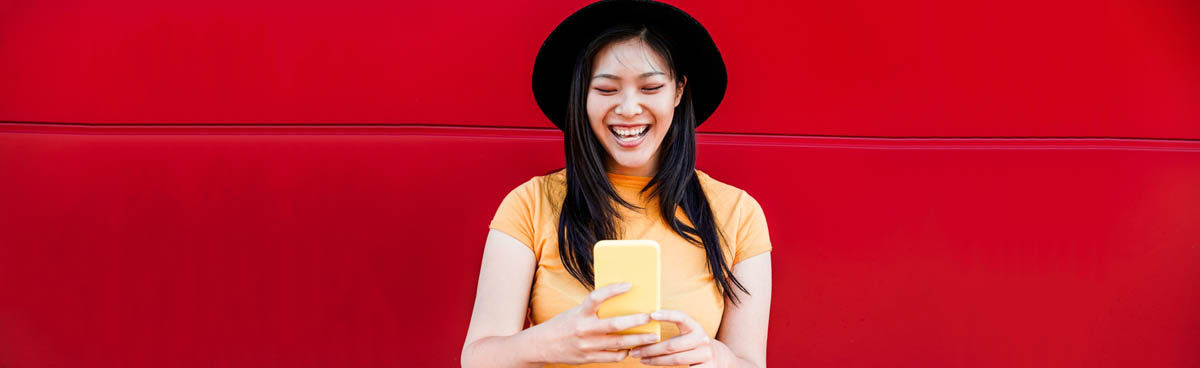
(606, 90)
(653, 88)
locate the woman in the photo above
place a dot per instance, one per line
(627, 82)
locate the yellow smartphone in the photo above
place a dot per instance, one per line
(638, 262)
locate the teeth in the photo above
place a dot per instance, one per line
(630, 132)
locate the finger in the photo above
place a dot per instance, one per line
(685, 323)
(621, 323)
(619, 342)
(694, 356)
(593, 300)
(605, 356)
(673, 345)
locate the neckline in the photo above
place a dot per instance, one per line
(628, 181)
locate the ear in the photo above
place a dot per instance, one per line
(679, 91)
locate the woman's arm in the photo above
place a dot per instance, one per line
(501, 300)
(575, 336)
(744, 326)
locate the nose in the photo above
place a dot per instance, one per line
(630, 106)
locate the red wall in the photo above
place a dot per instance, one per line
(1023, 68)
(257, 183)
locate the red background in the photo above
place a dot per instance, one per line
(258, 183)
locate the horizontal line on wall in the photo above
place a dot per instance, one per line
(527, 133)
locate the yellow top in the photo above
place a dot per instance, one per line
(529, 213)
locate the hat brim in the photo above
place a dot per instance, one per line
(691, 46)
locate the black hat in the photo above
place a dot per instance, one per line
(690, 44)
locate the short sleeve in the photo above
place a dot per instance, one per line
(753, 238)
(516, 213)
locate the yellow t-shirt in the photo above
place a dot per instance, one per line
(529, 213)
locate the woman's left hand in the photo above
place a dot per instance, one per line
(692, 347)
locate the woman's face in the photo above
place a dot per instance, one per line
(630, 104)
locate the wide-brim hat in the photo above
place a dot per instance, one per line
(691, 46)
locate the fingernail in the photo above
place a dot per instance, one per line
(656, 315)
(625, 286)
(635, 353)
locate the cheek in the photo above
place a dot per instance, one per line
(664, 112)
(595, 115)
(595, 110)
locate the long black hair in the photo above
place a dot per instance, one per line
(588, 214)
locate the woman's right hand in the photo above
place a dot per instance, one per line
(577, 336)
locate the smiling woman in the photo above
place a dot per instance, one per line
(628, 82)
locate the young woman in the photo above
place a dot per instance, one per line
(627, 82)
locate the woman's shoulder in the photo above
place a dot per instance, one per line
(553, 178)
(749, 233)
(717, 188)
(724, 194)
(552, 185)
(540, 182)
(541, 189)
(524, 211)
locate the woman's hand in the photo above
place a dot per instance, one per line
(577, 336)
(692, 346)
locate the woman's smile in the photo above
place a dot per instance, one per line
(629, 135)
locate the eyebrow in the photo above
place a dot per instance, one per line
(643, 76)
